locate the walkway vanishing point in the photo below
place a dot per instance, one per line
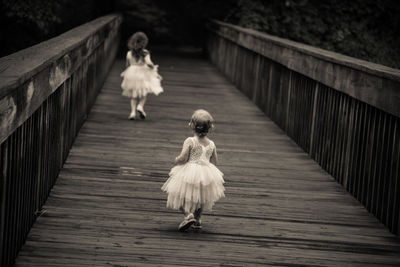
(281, 208)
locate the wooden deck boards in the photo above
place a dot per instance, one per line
(281, 208)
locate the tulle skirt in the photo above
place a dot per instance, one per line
(193, 186)
(140, 80)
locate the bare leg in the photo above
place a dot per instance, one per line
(142, 101)
(133, 109)
(140, 107)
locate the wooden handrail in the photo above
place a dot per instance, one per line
(371, 83)
(46, 92)
(344, 112)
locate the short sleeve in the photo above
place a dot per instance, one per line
(183, 157)
(212, 144)
(187, 143)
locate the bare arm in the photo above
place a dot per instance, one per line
(214, 157)
(127, 59)
(184, 156)
(148, 61)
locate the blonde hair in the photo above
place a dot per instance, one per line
(201, 122)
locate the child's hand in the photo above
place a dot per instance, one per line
(179, 161)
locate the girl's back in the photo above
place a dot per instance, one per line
(201, 151)
(139, 59)
(195, 183)
(140, 77)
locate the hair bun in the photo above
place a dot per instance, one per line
(202, 128)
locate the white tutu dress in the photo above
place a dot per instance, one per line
(197, 183)
(139, 79)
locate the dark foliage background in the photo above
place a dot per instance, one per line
(24, 23)
(366, 29)
(176, 22)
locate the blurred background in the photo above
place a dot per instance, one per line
(366, 29)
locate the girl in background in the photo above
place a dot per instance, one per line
(141, 75)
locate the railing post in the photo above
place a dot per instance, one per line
(288, 101)
(267, 105)
(348, 146)
(39, 167)
(3, 186)
(257, 77)
(314, 110)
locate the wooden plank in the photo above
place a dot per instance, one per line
(368, 173)
(348, 117)
(3, 189)
(364, 133)
(381, 145)
(385, 178)
(280, 207)
(356, 146)
(30, 76)
(365, 81)
(396, 184)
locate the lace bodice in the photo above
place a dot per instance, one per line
(132, 60)
(199, 152)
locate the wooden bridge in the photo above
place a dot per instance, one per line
(282, 207)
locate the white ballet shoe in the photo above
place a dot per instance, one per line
(142, 114)
(132, 116)
(187, 222)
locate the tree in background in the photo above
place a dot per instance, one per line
(24, 23)
(366, 29)
(173, 21)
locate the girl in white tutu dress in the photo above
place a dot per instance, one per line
(141, 75)
(195, 184)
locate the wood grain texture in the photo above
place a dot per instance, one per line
(28, 77)
(371, 83)
(281, 208)
(40, 118)
(353, 141)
